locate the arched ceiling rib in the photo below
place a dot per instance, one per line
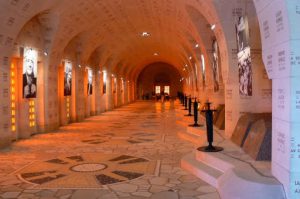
(115, 27)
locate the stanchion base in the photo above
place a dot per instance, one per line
(210, 149)
(188, 115)
(195, 125)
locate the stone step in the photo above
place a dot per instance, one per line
(243, 182)
(234, 179)
(217, 160)
(200, 169)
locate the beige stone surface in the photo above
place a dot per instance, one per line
(148, 136)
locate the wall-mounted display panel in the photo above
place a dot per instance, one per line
(68, 78)
(244, 57)
(215, 66)
(90, 82)
(30, 57)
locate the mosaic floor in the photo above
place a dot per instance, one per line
(131, 152)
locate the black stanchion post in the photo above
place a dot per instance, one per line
(183, 99)
(179, 97)
(195, 115)
(209, 131)
(190, 107)
(185, 103)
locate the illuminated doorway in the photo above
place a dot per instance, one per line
(167, 90)
(157, 90)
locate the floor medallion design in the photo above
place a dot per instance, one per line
(122, 138)
(91, 170)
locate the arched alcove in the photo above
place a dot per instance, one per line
(158, 74)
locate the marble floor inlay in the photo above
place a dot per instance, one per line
(132, 152)
(96, 168)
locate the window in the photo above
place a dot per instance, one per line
(167, 90)
(157, 89)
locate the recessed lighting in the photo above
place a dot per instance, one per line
(155, 54)
(197, 46)
(79, 65)
(186, 65)
(145, 34)
(190, 57)
(213, 26)
(46, 53)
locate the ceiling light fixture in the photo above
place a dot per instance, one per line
(190, 57)
(213, 27)
(155, 54)
(145, 34)
(197, 46)
(46, 53)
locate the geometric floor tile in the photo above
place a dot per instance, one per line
(119, 139)
(89, 170)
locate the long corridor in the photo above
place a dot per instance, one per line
(131, 152)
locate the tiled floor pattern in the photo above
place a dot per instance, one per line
(131, 152)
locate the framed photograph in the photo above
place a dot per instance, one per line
(215, 66)
(203, 71)
(68, 78)
(90, 82)
(242, 33)
(245, 72)
(104, 82)
(244, 57)
(30, 57)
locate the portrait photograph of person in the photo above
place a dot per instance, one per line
(90, 82)
(245, 72)
(242, 33)
(104, 82)
(244, 57)
(29, 73)
(215, 65)
(68, 79)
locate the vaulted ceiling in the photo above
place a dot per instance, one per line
(109, 31)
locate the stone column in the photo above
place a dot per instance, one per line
(237, 104)
(280, 37)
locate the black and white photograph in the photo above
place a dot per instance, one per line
(90, 82)
(244, 57)
(242, 33)
(203, 71)
(216, 65)
(104, 82)
(29, 73)
(68, 78)
(245, 72)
